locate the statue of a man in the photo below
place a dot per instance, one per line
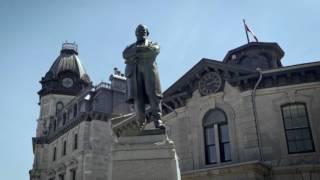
(143, 78)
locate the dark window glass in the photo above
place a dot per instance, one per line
(297, 129)
(212, 157)
(210, 139)
(75, 110)
(216, 119)
(64, 118)
(73, 174)
(225, 152)
(75, 142)
(210, 145)
(54, 125)
(59, 107)
(54, 154)
(64, 152)
(61, 176)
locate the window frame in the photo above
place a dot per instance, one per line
(75, 141)
(221, 147)
(206, 146)
(217, 143)
(64, 148)
(64, 118)
(54, 153)
(73, 174)
(62, 176)
(308, 127)
(75, 110)
(57, 109)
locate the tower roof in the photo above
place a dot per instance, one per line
(66, 75)
(67, 61)
(263, 55)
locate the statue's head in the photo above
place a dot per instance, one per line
(142, 32)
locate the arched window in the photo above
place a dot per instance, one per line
(59, 107)
(297, 128)
(216, 135)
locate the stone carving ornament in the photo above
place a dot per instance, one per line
(209, 83)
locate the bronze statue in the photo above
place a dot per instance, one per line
(142, 77)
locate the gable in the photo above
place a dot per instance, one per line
(183, 88)
(177, 94)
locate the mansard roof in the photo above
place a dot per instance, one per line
(66, 65)
(68, 61)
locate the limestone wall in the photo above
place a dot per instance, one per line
(274, 146)
(186, 128)
(48, 108)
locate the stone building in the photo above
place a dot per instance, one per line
(73, 138)
(245, 117)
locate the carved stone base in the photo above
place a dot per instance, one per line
(150, 156)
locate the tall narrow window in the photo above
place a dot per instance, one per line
(75, 110)
(54, 154)
(73, 174)
(297, 128)
(64, 152)
(75, 142)
(64, 118)
(225, 152)
(216, 135)
(54, 125)
(211, 157)
(61, 176)
(59, 107)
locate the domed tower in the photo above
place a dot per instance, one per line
(64, 80)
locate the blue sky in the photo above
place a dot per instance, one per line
(31, 34)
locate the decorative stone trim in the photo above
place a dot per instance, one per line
(126, 125)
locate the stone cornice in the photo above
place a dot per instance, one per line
(84, 116)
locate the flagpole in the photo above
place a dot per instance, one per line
(245, 28)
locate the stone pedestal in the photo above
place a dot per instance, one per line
(149, 156)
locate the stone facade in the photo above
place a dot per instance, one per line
(255, 121)
(186, 129)
(230, 124)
